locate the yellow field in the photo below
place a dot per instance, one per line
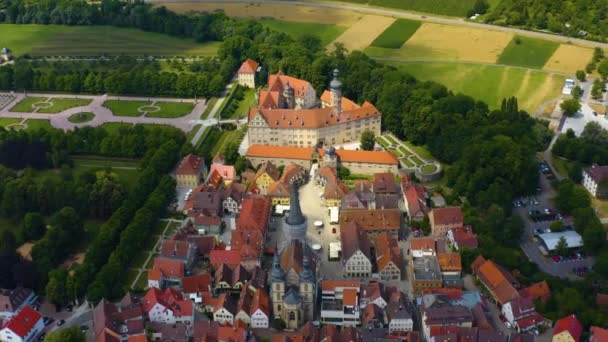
(532, 94)
(436, 41)
(363, 32)
(569, 58)
(271, 11)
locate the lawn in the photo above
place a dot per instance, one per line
(8, 121)
(56, 104)
(396, 34)
(125, 108)
(416, 160)
(56, 40)
(448, 42)
(407, 162)
(214, 140)
(126, 170)
(245, 104)
(210, 104)
(81, 117)
(421, 151)
(38, 124)
(527, 52)
(113, 127)
(172, 227)
(326, 32)
(600, 206)
(532, 88)
(428, 168)
(172, 109)
(142, 282)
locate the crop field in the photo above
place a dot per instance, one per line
(54, 40)
(396, 34)
(569, 58)
(364, 32)
(436, 41)
(285, 12)
(528, 52)
(48, 105)
(532, 88)
(326, 32)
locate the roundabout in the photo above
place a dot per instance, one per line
(148, 109)
(81, 117)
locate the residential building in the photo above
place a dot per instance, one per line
(279, 191)
(592, 177)
(356, 251)
(415, 200)
(388, 257)
(225, 309)
(190, 171)
(167, 306)
(166, 272)
(340, 302)
(266, 175)
(598, 334)
(357, 161)
(462, 238)
(364, 197)
(538, 291)
(450, 264)
(285, 115)
(22, 327)
(260, 309)
(423, 246)
(373, 221)
(246, 73)
(567, 329)
(445, 315)
(183, 251)
(232, 198)
(398, 315)
(444, 219)
(221, 174)
(521, 314)
(496, 280)
(234, 278)
(373, 293)
(384, 183)
(333, 191)
(218, 257)
(11, 301)
(424, 273)
(174, 332)
(195, 286)
(113, 321)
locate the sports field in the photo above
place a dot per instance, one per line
(528, 52)
(396, 34)
(569, 59)
(270, 11)
(55, 40)
(363, 32)
(47, 105)
(437, 41)
(490, 83)
(326, 32)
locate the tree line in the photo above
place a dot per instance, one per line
(591, 147)
(575, 18)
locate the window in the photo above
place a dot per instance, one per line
(292, 316)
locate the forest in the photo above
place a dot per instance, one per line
(575, 18)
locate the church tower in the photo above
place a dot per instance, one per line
(307, 288)
(295, 224)
(277, 286)
(335, 87)
(289, 96)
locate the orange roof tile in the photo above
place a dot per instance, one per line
(495, 280)
(169, 267)
(447, 215)
(331, 285)
(373, 219)
(305, 153)
(449, 262)
(248, 67)
(190, 165)
(536, 291)
(346, 104)
(422, 243)
(349, 297)
(387, 250)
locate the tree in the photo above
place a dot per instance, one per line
(368, 140)
(72, 334)
(241, 164)
(577, 92)
(278, 324)
(231, 152)
(343, 172)
(602, 69)
(56, 290)
(481, 6)
(581, 75)
(562, 246)
(557, 226)
(602, 189)
(33, 226)
(570, 107)
(597, 89)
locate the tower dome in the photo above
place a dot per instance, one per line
(307, 276)
(335, 82)
(277, 273)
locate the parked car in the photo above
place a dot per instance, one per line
(60, 322)
(41, 337)
(556, 258)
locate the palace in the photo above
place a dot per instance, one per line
(289, 114)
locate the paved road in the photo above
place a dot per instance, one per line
(212, 115)
(407, 15)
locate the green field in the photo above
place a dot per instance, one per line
(54, 40)
(8, 121)
(532, 88)
(214, 140)
(125, 108)
(397, 34)
(58, 104)
(172, 109)
(38, 124)
(125, 169)
(81, 117)
(245, 104)
(326, 32)
(527, 52)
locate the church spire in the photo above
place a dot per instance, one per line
(295, 212)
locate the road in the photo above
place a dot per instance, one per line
(212, 114)
(406, 15)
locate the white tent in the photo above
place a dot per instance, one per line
(573, 239)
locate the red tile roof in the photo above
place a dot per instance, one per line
(169, 267)
(231, 334)
(154, 274)
(354, 239)
(422, 243)
(190, 165)
(449, 262)
(416, 200)
(601, 299)
(346, 104)
(249, 66)
(332, 285)
(598, 334)
(537, 291)
(387, 251)
(24, 321)
(529, 322)
(261, 301)
(254, 214)
(349, 297)
(170, 299)
(226, 172)
(174, 249)
(447, 216)
(373, 219)
(496, 282)
(465, 238)
(305, 153)
(196, 283)
(229, 257)
(385, 183)
(570, 324)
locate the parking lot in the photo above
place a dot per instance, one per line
(538, 213)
